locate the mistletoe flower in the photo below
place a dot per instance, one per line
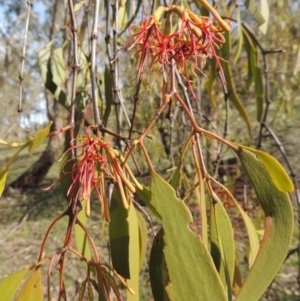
(95, 162)
(189, 41)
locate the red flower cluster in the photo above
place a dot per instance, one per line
(94, 163)
(193, 39)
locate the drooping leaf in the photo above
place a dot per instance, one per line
(108, 93)
(232, 95)
(48, 77)
(32, 288)
(251, 50)
(58, 67)
(240, 37)
(145, 196)
(83, 75)
(265, 12)
(10, 284)
(81, 239)
(4, 170)
(143, 237)
(253, 10)
(134, 251)
(123, 14)
(158, 272)
(82, 291)
(119, 236)
(211, 82)
(276, 172)
(183, 250)
(13, 144)
(222, 244)
(279, 220)
(39, 138)
(90, 291)
(78, 5)
(259, 94)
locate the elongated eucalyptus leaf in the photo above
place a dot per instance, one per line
(32, 288)
(226, 50)
(4, 170)
(10, 284)
(278, 231)
(253, 10)
(108, 86)
(81, 239)
(222, 244)
(119, 236)
(211, 82)
(277, 173)
(134, 252)
(158, 272)
(143, 237)
(191, 270)
(259, 89)
(240, 37)
(49, 78)
(265, 12)
(39, 138)
(145, 196)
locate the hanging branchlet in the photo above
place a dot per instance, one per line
(23, 57)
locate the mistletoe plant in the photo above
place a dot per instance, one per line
(171, 46)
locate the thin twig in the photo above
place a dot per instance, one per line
(94, 38)
(21, 76)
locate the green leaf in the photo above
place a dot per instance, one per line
(83, 74)
(82, 291)
(58, 66)
(222, 244)
(39, 138)
(49, 78)
(265, 12)
(90, 291)
(188, 260)
(143, 237)
(211, 82)
(158, 272)
(10, 284)
(134, 250)
(4, 170)
(226, 49)
(81, 239)
(251, 50)
(277, 173)
(279, 221)
(240, 37)
(145, 196)
(32, 288)
(250, 4)
(259, 89)
(108, 93)
(119, 236)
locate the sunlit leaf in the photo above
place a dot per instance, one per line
(10, 284)
(278, 227)
(48, 77)
(240, 37)
(39, 138)
(58, 66)
(78, 5)
(32, 288)
(158, 272)
(134, 251)
(123, 14)
(13, 144)
(253, 10)
(145, 196)
(277, 173)
(81, 239)
(265, 12)
(184, 250)
(4, 170)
